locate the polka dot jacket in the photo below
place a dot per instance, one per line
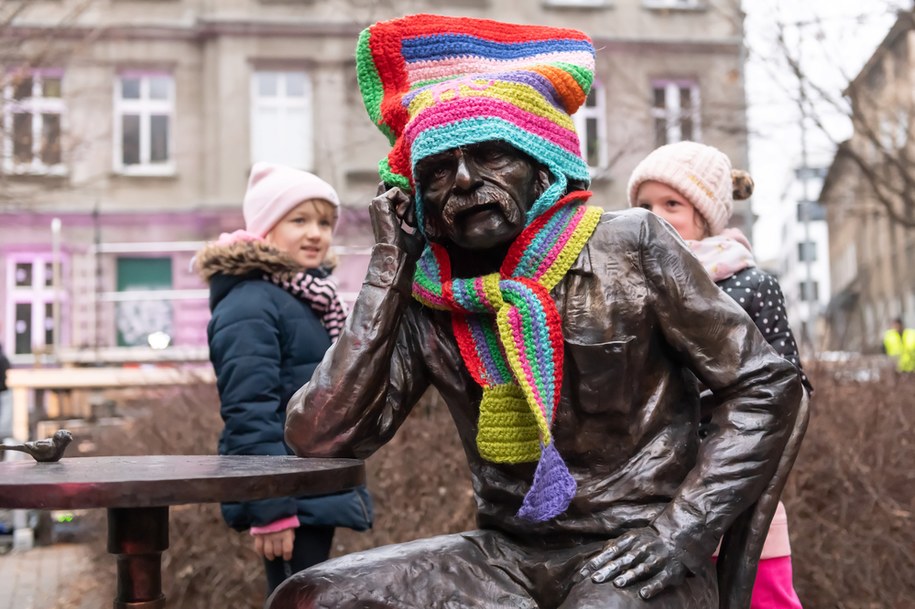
(761, 297)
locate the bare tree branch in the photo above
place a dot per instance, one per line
(878, 149)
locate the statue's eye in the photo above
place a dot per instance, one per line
(435, 169)
(492, 153)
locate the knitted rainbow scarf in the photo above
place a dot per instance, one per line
(510, 336)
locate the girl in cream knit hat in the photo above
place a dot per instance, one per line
(693, 187)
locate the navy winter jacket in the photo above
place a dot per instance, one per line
(264, 345)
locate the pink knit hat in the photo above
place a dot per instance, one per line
(274, 190)
(702, 174)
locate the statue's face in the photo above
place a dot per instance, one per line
(476, 196)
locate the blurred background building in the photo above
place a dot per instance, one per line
(869, 198)
(129, 128)
(802, 263)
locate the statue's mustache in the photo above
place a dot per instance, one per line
(458, 204)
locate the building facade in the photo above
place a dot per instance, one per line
(870, 203)
(130, 127)
(802, 264)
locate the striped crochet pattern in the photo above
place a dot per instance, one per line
(432, 83)
(509, 333)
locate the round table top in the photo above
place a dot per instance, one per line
(149, 481)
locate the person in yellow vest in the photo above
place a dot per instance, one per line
(899, 343)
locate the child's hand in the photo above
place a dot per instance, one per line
(275, 545)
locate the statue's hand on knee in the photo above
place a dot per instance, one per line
(640, 555)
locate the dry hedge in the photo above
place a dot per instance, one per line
(851, 495)
(851, 498)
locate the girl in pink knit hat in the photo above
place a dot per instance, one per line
(693, 187)
(275, 311)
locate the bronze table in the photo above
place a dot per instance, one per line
(138, 490)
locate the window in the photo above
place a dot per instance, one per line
(807, 251)
(281, 118)
(144, 107)
(686, 4)
(577, 3)
(888, 134)
(32, 110)
(675, 110)
(901, 129)
(812, 173)
(590, 125)
(876, 77)
(141, 314)
(894, 130)
(809, 291)
(814, 211)
(30, 316)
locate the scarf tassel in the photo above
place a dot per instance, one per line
(552, 490)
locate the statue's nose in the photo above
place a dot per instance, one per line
(466, 177)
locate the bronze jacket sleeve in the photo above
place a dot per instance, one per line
(758, 394)
(370, 378)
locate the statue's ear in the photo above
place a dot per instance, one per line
(543, 179)
(432, 227)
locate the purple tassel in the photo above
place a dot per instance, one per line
(552, 490)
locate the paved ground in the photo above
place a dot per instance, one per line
(36, 579)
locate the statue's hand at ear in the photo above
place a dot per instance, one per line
(393, 220)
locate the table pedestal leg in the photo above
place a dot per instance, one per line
(138, 536)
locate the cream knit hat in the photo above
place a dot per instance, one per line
(702, 174)
(274, 190)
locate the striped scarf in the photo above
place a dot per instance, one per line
(510, 336)
(319, 293)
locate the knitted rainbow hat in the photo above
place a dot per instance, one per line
(432, 83)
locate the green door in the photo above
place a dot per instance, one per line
(139, 317)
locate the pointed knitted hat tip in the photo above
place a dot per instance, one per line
(552, 490)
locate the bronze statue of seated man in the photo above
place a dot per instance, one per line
(566, 342)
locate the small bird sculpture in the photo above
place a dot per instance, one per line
(44, 451)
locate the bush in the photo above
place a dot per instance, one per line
(851, 495)
(850, 499)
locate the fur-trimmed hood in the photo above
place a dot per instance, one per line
(224, 266)
(243, 259)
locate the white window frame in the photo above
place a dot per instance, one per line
(598, 113)
(145, 107)
(280, 103)
(38, 295)
(36, 105)
(671, 113)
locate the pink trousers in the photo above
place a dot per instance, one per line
(774, 588)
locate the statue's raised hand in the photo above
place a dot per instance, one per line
(640, 555)
(394, 220)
